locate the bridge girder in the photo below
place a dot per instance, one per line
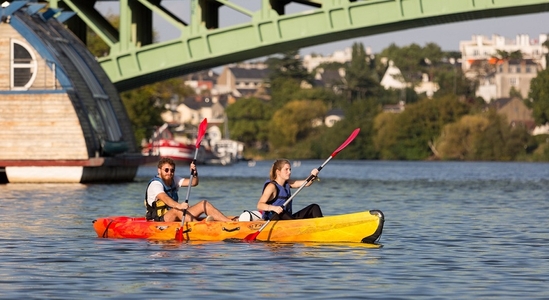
(135, 60)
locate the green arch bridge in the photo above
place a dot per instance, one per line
(135, 59)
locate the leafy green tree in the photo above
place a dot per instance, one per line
(248, 121)
(95, 44)
(407, 59)
(506, 55)
(541, 150)
(452, 81)
(358, 114)
(486, 136)
(321, 141)
(360, 77)
(413, 61)
(142, 111)
(519, 143)
(408, 135)
(434, 54)
(516, 55)
(295, 121)
(145, 104)
(286, 75)
(499, 142)
(283, 90)
(330, 66)
(514, 93)
(386, 126)
(288, 65)
(459, 139)
(539, 97)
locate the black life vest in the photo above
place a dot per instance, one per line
(159, 208)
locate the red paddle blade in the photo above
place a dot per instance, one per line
(179, 234)
(201, 131)
(347, 142)
(251, 237)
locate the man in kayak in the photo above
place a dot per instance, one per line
(161, 198)
(276, 191)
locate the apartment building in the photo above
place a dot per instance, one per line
(499, 74)
(484, 48)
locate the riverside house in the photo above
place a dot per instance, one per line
(61, 119)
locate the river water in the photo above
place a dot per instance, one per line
(453, 230)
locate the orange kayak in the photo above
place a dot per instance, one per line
(365, 227)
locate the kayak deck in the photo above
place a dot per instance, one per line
(365, 227)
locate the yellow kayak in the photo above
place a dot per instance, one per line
(365, 227)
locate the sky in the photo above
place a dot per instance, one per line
(447, 36)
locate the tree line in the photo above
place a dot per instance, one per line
(452, 125)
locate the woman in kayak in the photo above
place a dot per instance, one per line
(161, 198)
(276, 191)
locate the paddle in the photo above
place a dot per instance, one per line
(253, 236)
(199, 136)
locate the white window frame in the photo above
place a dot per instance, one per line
(33, 65)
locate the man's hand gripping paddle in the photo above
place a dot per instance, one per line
(200, 135)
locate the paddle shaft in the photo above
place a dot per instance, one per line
(188, 191)
(201, 131)
(297, 191)
(191, 179)
(349, 140)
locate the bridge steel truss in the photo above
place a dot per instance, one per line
(135, 59)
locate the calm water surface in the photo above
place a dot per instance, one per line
(452, 231)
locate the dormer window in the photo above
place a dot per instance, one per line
(23, 66)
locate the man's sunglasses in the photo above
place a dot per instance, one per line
(166, 170)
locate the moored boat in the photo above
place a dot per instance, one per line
(365, 227)
(170, 148)
(163, 143)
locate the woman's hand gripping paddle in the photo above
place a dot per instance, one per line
(253, 236)
(200, 135)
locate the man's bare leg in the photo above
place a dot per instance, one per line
(175, 215)
(205, 207)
